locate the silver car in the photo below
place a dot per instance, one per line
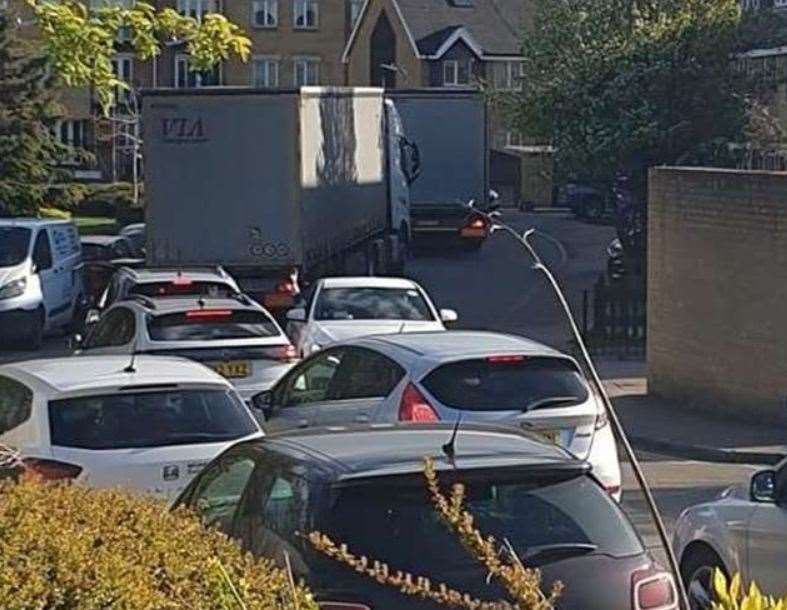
(442, 376)
(743, 531)
(236, 337)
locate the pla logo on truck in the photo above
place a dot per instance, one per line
(183, 130)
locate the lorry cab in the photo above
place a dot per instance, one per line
(40, 278)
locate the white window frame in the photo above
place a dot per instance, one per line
(70, 125)
(271, 61)
(454, 64)
(269, 7)
(300, 8)
(182, 61)
(198, 8)
(514, 138)
(306, 62)
(119, 62)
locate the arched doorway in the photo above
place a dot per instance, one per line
(383, 53)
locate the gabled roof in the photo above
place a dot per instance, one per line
(490, 28)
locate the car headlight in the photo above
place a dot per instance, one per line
(13, 289)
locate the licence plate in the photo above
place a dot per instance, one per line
(278, 301)
(233, 369)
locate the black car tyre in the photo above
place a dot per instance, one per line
(697, 569)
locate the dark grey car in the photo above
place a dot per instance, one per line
(364, 487)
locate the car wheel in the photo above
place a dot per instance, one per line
(697, 571)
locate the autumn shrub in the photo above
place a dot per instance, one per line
(733, 595)
(67, 547)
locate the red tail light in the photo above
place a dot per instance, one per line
(477, 223)
(505, 359)
(342, 606)
(286, 353)
(414, 406)
(51, 470)
(208, 314)
(181, 281)
(654, 591)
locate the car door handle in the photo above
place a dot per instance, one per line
(362, 419)
(303, 423)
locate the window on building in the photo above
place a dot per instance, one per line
(514, 138)
(265, 13)
(507, 74)
(73, 133)
(265, 72)
(456, 73)
(186, 78)
(197, 9)
(123, 68)
(305, 14)
(355, 10)
(306, 72)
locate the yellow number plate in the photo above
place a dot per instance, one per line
(553, 436)
(232, 369)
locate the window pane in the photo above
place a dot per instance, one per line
(229, 325)
(313, 382)
(365, 374)
(481, 385)
(14, 244)
(16, 404)
(371, 304)
(220, 492)
(149, 419)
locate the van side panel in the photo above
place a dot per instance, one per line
(221, 173)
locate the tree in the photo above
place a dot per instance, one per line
(29, 152)
(622, 85)
(80, 41)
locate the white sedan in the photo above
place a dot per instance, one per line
(343, 308)
(743, 531)
(148, 423)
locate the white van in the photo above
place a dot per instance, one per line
(41, 285)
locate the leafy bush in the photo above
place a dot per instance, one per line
(70, 547)
(732, 596)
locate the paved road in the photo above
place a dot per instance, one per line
(496, 289)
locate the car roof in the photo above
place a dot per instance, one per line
(155, 274)
(101, 240)
(97, 373)
(368, 282)
(357, 452)
(32, 223)
(452, 344)
(165, 305)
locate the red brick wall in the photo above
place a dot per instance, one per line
(717, 289)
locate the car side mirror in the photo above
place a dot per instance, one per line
(493, 195)
(92, 317)
(763, 487)
(448, 315)
(297, 314)
(263, 403)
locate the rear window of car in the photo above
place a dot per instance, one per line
(182, 288)
(148, 419)
(16, 404)
(212, 325)
(544, 522)
(371, 304)
(94, 252)
(507, 383)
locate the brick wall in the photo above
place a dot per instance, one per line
(717, 289)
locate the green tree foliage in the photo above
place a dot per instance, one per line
(80, 41)
(29, 152)
(621, 85)
(733, 595)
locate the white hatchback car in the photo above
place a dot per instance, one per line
(149, 425)
(342, 308)
(443, 376)
(235, 336)
(743, 531)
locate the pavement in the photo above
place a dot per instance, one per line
(662, 426)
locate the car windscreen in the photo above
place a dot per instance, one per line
(371, 304)
(212, 325)
(148, 419)
(216, 290)
(544, 522)
(507, 383)
(14, 245)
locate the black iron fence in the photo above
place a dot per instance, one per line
(614, 317)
